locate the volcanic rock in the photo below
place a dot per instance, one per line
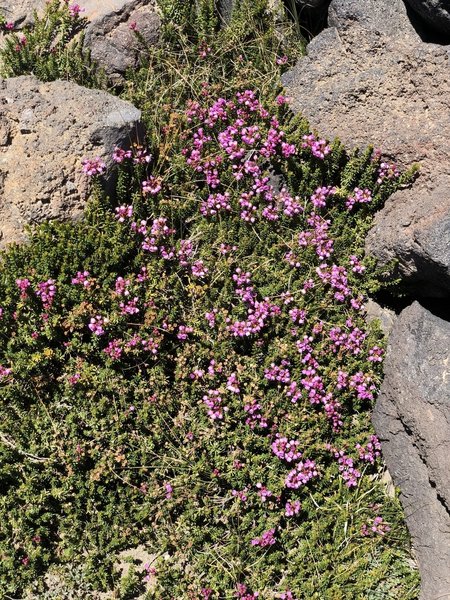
(45, 131)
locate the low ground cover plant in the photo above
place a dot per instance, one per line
(189, 369)
(51, 47)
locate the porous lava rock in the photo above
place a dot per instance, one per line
(370, 79)
(45, 131)
(111, 37)
(110, 33)
(412, 420)
(435, 12)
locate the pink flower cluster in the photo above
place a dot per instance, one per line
(46, 291)
(301, 474)
(75, 10)
(358, 197)
(387, 171)
(82, 278)
(286, 449)
(319, 148)
(4, 372)
(213, 401)
(266, 539)
(93, 166)
(243, 593)
(371, 451)
(349, 473)
(247, 136)
(96, 325)
(292, 508)
(377, 527)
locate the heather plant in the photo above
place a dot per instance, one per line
(188, 369)
(51, 48)
(196, 374)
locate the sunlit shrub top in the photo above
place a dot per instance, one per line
(194, 372)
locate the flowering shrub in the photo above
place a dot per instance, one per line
(52, 48)
(204, 393)
(190, 369)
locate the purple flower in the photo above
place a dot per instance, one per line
(292, 508)
(303, 472)
(286, 449)
(213, 401)
(319, 148)
(266, 539)
(96, 325)
(93, 166)
(152, 185)
(75, 10)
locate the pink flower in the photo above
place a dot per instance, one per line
(75, 10)
(151, 186)
(82, 278)
(96, 325)
(266, 539)
(93, 166)
(4, 372)
(213, 401)
(292, 508)
(319, 148)
(183, 332)
(120, 155)
(169, 490)
(377, 527)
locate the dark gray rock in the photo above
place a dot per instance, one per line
(46, 129)
(435, 12)
(225, 9)
(384, 316)
(365, 84)
(412, 420)
(414, 228)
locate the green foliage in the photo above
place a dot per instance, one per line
(51, 48)
(95, 456)
(186, 65)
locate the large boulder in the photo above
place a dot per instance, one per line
(110, 33)
(45, 131)
(412, 420)
(371, 80)
(435, 12)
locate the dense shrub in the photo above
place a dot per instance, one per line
(190, 370)
(196, 373)
(51, 48)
